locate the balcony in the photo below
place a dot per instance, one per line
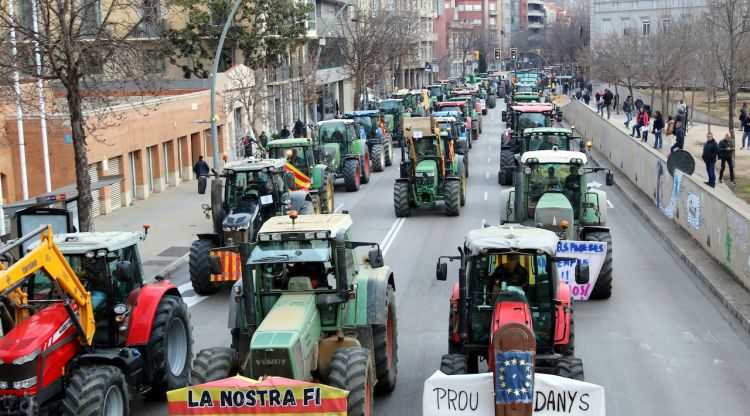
(535, 25)
(493, 12)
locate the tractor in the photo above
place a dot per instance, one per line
(488, 89)
(431, 170)
(253, 191)
(309, 175)
(518, 119)
(551, 191)
(308, 308)
(377, 136)
(344, 151)
(393, 111)
(508, 287)
(82, 333)
(450, 129)
(475, 105)
(438, 92)
(467, 114)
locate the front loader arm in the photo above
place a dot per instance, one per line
(48, 258)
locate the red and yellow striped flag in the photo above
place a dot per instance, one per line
(300, 179)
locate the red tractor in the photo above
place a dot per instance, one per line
(509, 298)
(82, 333)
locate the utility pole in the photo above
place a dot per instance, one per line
(40, 91)
(19, 109)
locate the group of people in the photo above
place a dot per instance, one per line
(722, 151)
(299, 130)
(643, 118)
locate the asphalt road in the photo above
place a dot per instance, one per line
(660, 346)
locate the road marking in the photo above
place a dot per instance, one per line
(484, 221)
(193, 300)
(689, 336)
(390, 237)
(485, 196)
(488, 160)
(489, 147)
(487, 175)
(610, 204)
(338, 208)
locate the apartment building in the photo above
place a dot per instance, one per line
(621, 16)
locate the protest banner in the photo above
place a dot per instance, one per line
(592, 253)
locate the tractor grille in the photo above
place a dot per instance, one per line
(424, 180)
(10, 373)
(271, 362)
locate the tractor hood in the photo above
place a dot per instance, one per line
(284, 343)
(552, 209)
(330, 153)
(240, 220)
(427, 166)
(36, 334)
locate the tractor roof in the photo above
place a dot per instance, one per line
(361, 113)
(400, 100)
(445, 118)
(534, 108)
(511, 237)
(450, 103)
(334, 122)
(437, 114)
(333, 223)
(554, 156)
(80, 243)
(300, 141)
(252, 164)
(547, 130)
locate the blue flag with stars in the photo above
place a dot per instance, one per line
(514, 377)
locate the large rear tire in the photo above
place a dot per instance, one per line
(377, 156)
(507, 159)
(464, 185)
(401, 199)
(352, 177)
(570, 367)
(491, 101)
(200, 275)
(325, 195)
(214, 364)
(96, 390)
(385, 338)
(170, 347)
(603, 286)
(202, 182)
(351, 371)
(365, 169)
(453, 364)
(389, 153)
(452, 198)
(474, 135)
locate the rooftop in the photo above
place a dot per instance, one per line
(255, 164)
(511, 237)
(555, 156)
(332, 222)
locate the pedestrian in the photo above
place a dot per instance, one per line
(247, 144)
(746, 133)
(743, 115)
(679, 137)
(598, 97)
(586, 97)
(299, 128)
(670, 129)
(638, 104)
(644, 125)
(641, 121)
(285, 133)
(710, 151)
(726, 150)
(607, 100)
(658, 126)
(682, 106)
(579, 94)
(627, 108)
(200, 168)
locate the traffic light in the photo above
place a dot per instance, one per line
(476, 56)
(498, 54)
(513, 54)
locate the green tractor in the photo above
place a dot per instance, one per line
(462, 107)
(344, 151)
(551, 191)
(378, 138)
(431, 170)
(394, 111)
(413, 100)
(252, 191)
(308, 308)
(475, 107)
(488, 90)
(309, 175)
(438, 92)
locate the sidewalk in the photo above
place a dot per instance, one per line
(175, 216)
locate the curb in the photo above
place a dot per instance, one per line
(729, 302)
(173, 266)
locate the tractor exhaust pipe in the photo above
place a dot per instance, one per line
(341, 271)
(248, 288)
(519, 211)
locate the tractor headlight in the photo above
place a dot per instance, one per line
(25, 384)
(3, 385)
(430, 174)
(26, 358)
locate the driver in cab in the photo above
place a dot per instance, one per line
(573, 187)
(551, 181)
(512, 273)
(293, 157)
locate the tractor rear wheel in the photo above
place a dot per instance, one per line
(365, 170)
(570, 367)
(95, 390)
(474, 134)
(491, 101)
(352, 177)
(401, 199)
(452, 198)
(377, 156)
(325, 195)
(507, 159)
(462, 178)
(603, 286)
(170, 347)
(214, 364)
(200, 275)
(389, 153)
(351, 371)
(385, 338)
(453, 364)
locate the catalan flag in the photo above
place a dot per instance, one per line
(300, 179)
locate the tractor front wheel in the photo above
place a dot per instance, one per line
(474, 135)
(365, 170)
(389, 153)
(492, 101)
(453, 364)
(507, 160)
(200, 275)
(170, 347)
(603, 286)
(351, 371)
(94, 390)
(385, 338)
(214, 364)
(352, 177)
(570, 367)
(401, 199)
(452, 198)
(325, 195)
(377, 156)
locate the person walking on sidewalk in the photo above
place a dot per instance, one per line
(726, 150)
(200, 168)
(627, 108)
(679, 137)
(710, 151)
(607, 98)
(658, 126)
(638, 104)
(598, 98)
(743, 114)
(586, 97)
(746, 133)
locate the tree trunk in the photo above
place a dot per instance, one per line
(667, 105)
(662, 96)
(358, 91)
(83, 181)
(709, 112)
(653, 94)
(732, 103)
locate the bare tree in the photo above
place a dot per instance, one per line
(90, 48)
(666, 58)
(564, 39)
(619, 58)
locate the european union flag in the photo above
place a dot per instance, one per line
(514, 378)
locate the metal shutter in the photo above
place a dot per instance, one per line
(94, 177)
(116, 194)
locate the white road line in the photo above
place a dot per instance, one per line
(390, 231)
(389, 241)
(190, 301)
(484, 221)
(610, 204)
(488, 160)
(489, 147)
(487, 175)
(338, 208)
(485, 196)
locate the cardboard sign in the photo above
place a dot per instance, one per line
(592, 253)
(473, 394)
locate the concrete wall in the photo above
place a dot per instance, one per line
(717, 220)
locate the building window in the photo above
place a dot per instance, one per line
(646, 25)
(665, 23)
(493, 21)
(461, 7)
(154, 62)
(626, 31)
(311, 16)
(89, 12)
(477, 7)
(492, 6)
(478, 22)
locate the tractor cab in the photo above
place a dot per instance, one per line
(550, 138)
(522, 117)
(453, 135)
(298, 152)
(335, 137)
(413, 100)
(437, 92)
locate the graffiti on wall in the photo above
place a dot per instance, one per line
(694, 211)
(737, 238)
(671, 208)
